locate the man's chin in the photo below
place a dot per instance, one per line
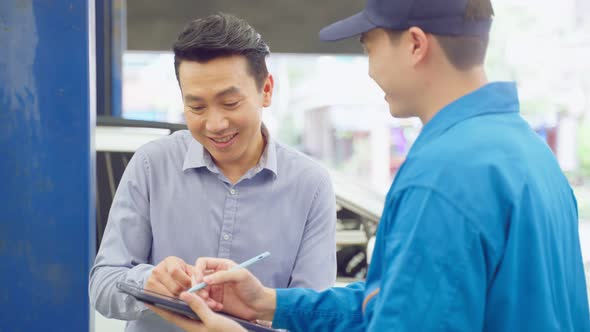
(396, 113)
(221, 157)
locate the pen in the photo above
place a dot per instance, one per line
(240, 266)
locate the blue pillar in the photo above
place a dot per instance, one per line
(47, 116)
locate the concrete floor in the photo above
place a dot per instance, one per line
(110, 325)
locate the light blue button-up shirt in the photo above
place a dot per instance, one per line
(173, 201)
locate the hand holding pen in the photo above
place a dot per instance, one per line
(240, 293)
(245, 264)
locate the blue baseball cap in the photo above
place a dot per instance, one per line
(439, 17)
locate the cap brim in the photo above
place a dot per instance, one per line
(348, 27)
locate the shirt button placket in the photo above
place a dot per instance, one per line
(229, 217)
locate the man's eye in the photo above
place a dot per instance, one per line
(197, 108)
(231, 105)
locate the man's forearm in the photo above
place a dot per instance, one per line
(340, 309)
(105, 297)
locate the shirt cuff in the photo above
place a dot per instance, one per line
(287, 298)
(138, 275)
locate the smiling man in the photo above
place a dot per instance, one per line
(223, 188)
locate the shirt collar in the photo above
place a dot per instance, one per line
(269, 155)
(492, 98)
(198, 157)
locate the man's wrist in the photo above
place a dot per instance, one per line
(268, 304)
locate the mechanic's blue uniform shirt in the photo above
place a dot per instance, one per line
(479, 233)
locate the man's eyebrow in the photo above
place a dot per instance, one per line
(229, 91)
(192, 98)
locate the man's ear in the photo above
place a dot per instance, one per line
(267, 90)
(419, 44)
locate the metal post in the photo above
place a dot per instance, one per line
(111, 42)
(47, 207)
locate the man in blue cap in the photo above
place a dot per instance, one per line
(480, 227)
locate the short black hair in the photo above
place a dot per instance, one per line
(221, 35)
(463, 52)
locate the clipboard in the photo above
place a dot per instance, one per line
(180, 307)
